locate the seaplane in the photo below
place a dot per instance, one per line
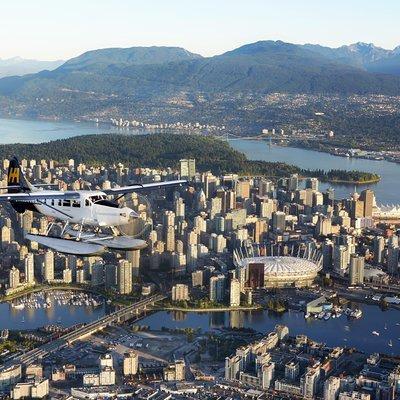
(89, 218)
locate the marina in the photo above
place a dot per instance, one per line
(61, 298)
(64, 308)
(335, 313)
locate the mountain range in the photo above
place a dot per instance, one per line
(363, 55)
(111, 76)
(21, 66)
(265, 66)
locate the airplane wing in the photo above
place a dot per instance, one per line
(38, 196)
(143, 186)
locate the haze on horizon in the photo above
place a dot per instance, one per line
(48, 30)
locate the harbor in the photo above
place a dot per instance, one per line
(60, 307)
(61, 298)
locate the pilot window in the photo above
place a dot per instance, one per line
(87, 202)
(95, 199)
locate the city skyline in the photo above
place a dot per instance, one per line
(200, 200)
(48, 32)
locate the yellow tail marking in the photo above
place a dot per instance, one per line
(13, 175)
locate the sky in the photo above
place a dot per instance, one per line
(61, 29)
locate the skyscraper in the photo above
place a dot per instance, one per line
(130, 363)
(267, 374)
(278, 221)
(260, 228)
(234, 293)
(216, 207)
(124, 277)
(292, 370)
(217, 288)
(110, 275)
(329, 196)
(379, 245)
(210, 184)
(309, 382)
(48, 266)
(243, 189)
(133, 257)
(170, 238)
(324, 226)
(97, 273)
(67, 275)
(367, 196)
(168, 219)
(331, 388)
(6, 236)
(197, 278)
(312, 183)
(393, 259)
(180, 292)
(188, 168)
(179, 209)
(265, 187)
(340, 259)
(293, 183)
(29, 268)
(357, 208)
(14, 278)
(356, 271)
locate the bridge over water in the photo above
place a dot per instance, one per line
(119, 316)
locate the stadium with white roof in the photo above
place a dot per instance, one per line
(276, 271)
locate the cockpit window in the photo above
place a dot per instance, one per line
(95, 199)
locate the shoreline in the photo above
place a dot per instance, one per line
(298, 145)
(288, 143)
(48, 288)
(212, 309)
(346, 182)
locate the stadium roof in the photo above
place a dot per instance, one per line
(283, 265)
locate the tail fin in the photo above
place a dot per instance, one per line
(16, 180)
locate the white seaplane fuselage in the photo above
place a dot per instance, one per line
(90, 208)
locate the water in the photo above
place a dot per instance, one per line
(334, 332)
(32, 318)
(387, 190)
(23, 131)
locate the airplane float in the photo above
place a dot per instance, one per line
(78, 209)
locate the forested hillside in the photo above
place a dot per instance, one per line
(163, 150)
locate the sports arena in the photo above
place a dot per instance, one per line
(277, 271)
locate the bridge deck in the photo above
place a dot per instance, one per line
(86, 330)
